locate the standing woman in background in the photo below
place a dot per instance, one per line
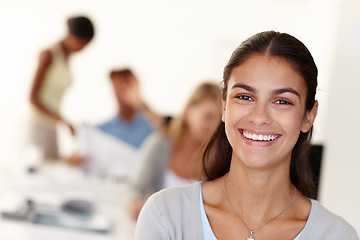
(51, 79)
(258, 180)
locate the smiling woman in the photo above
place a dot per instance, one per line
(258, 179)
(266, 98)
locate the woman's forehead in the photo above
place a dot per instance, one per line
(265, 70)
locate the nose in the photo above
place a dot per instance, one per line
(260, 114)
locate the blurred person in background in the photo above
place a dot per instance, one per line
(134, 122)
(169, 156)
(52, 78)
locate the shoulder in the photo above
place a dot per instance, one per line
(324, 216)
(175, 211)
(110, 122)
(51, 50)
(323, 224)
(158, 142)
(180, 196)
(141, 116)
(45, 56)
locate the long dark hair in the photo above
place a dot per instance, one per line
(218, 152)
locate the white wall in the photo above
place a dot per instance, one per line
(340, 182)
(172, 45)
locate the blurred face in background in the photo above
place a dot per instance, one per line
(203, 118)
(126, 90)
(75, 44)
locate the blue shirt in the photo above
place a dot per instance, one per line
(133, 133)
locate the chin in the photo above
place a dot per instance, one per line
(256, 160)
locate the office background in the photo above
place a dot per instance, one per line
(173, 45)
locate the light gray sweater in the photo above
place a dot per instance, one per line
(175, 214)
(149, 174)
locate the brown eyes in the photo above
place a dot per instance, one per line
(245, 97)
(282, 101)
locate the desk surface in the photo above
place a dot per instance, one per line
(54, 183)
(11, 230)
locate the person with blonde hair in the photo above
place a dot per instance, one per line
(168, 155)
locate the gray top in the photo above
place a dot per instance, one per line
(149, 174)
(175, 214)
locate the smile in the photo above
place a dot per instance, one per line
(259, 137)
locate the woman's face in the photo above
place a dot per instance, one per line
(203, 118)
(76, 44)
(265, 111)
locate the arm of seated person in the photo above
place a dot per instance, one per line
(155, 119)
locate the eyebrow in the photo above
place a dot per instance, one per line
(285, 90)
(275, 92)
(244, 86)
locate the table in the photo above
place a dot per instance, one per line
(52, 183)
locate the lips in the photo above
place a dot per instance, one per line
(259, 137)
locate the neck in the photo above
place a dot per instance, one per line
(259, 195)
(64, 47)
(127, 113)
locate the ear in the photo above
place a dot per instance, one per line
(309, 118)
(223, 109)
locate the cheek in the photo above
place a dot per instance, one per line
(192, 120)
(79, 45)
(233, 114)
(204, 116)
(119, 93)
(291, 123)
(201, 125)
(233, 117)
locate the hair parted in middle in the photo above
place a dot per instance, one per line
(218, 152)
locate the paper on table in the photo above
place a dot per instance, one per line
(106, 154)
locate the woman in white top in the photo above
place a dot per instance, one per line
(51, 79)
(258, 177)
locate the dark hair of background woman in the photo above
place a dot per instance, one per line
(81, 27)
(218, 152)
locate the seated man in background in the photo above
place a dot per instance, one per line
(135, 120)
(131, 126)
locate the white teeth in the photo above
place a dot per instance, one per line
(259, 137)
(254, 137)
